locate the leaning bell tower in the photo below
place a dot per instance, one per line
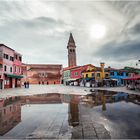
(71, 52)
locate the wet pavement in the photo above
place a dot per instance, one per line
(98, 115)
(62, 89)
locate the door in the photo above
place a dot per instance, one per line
(10, 82)
(0, 84)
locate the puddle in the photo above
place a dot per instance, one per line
(101, 114)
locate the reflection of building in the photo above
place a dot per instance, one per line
(10, 67)
(100, 98)
(42, 73)
(10, 114)
(42, 99)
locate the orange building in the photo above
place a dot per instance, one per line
(42, 73)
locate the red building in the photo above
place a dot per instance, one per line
(76, 72)
(42, 73)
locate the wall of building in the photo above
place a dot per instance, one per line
(43, 74)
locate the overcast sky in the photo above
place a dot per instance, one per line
(39, 30)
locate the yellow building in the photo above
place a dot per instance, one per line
(96, 73)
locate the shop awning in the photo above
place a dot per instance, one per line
(72, 79)
(14, 76)
(87, 78)
(137, 77)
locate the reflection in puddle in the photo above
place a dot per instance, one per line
(62, 116)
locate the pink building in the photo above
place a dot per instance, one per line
(8, 61)
(17, 68)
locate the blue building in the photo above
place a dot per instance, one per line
(118, 75)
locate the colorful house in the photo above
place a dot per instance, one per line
(66, 76)
(133, 70)
(9, 59)
(74, 74)
(94, 75)
(118, 75)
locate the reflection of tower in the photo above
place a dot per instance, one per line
(71, 52)
(103, 98)
(73, 113)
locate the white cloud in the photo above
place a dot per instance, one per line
(39, 29)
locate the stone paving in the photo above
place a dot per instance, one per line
(40, 89)
(87, 128)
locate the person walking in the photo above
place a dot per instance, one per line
(25, 84)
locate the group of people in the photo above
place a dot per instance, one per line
(26, 84)
(133, 85)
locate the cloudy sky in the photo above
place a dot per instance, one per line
(104, 31)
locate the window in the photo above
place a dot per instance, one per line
(10, 69)
(4, 111)
(5, 68)
(76, 73)
(1, 66)
(119, 73)
(1, 54)
(10, 108)
(98, 74)
(6, 56)
(86, 75)
(106, 75)
(92, 74)
(15, 68)
(11, 58)
(16, 56)
(112, 73)
(20, 59)
(19, 70)
(73, 50)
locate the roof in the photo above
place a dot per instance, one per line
(88, 65)
(2, 45)
(71, 40)
(137, 77)
(114, 69)
(42, 66)
(69, 68)
(131, 68)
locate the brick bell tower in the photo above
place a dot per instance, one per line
(71, 52)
